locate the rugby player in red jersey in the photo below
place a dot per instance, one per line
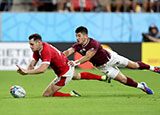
(105, 60)
(50, 56)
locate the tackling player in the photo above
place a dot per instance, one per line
(58, 62)
(106, 61)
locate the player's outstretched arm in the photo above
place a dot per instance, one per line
(31, 65)
(69, 51)
(39, 70)
(83, 59)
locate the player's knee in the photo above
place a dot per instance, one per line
(76, 78)
(46, 94)
(136, 65)
(133, 65)
(123, 80)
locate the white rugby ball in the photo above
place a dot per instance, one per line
(17, 91)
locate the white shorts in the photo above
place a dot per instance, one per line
(65, 79)
(111, 67)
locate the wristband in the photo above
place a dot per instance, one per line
(76, 63)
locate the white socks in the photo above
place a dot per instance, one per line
(151, 68)
(140, 86)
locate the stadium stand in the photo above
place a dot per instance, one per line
(81, 5)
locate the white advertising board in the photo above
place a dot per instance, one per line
(14, 53)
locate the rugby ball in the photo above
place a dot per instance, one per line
(17, 91)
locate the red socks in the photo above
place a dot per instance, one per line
(84, 75)
(143, 65)
(60, 94)
(131, 82)
(90, 76)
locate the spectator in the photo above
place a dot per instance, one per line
(154, 6)
(153, 35)
(109, 4)
(6, 5)
(66, 5)
(46, 5)
(142, 5)
(84, 5)
(127, 5)
(22, 5)
(114, 5)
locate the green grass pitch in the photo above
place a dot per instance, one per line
(98, 98)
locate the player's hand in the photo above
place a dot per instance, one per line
(21, 70)
(71, 63)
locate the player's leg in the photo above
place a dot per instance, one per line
(149, 67)
(114, 73)
(137, 65)
(52, 89)
(121, 61)
(141, 65)
(88, 76)
(130, 82)
(58, 83)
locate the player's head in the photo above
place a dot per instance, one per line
(35, 37)
(81, 35)
(82, 30)
(35, 41)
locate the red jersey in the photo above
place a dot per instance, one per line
(51, 55)
(101, 56)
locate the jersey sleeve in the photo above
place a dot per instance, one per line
(75, 47)
(46, 56)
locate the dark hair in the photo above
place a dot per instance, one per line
(82, 29)
(35, 37)
(153, 26)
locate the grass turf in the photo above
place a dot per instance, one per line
(98, 98)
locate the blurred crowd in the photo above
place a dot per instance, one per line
(80, 5)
